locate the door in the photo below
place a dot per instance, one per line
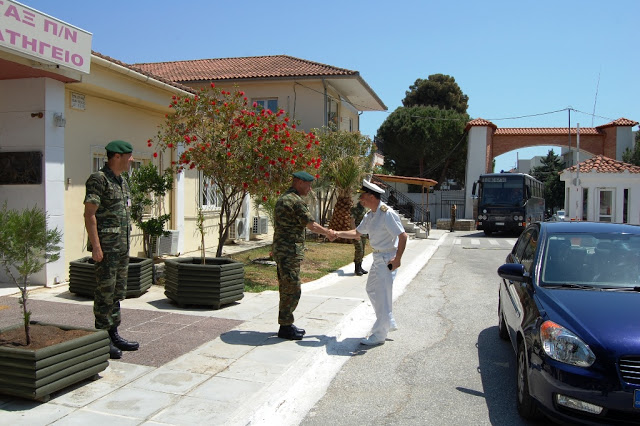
(606, 205)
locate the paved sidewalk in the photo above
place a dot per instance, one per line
(236, 371)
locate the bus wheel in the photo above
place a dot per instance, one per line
(487, 232)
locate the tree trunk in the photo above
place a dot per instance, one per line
(341, 219)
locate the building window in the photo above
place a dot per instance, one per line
(625, 206)
(332, 112)
(585, 203)
(210, 198)
(269, 103)
(99, 160)
(605, 207)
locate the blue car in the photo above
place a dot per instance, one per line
(569, 302)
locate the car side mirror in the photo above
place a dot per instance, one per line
(513, 272)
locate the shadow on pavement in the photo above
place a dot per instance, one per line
(498, 373)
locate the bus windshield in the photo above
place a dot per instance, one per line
(503, 191)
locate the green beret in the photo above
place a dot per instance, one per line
(119, 147)
(303, 176)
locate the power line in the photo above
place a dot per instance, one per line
(420, 117)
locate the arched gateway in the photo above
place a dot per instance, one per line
(487, 141)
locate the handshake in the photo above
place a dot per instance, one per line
(332, 235)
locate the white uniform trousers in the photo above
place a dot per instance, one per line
(379, 289)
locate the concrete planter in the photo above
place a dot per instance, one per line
(82, 278)
(35, 374)
(218, 282)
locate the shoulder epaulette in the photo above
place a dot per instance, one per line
(384, 208)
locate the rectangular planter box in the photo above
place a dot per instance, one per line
(218, 282)
(35, 374)
(82, 278)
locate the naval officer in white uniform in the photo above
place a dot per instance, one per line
(388, 240)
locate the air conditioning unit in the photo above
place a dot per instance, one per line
(237, 229)
(168, 244)
(260, 225)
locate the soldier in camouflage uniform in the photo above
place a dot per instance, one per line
(357, 212)
(107, 205)
(292, 217)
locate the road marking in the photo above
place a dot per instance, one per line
(475, 241)
(493, 242)
(457, 241)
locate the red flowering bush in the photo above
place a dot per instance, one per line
(242, 148)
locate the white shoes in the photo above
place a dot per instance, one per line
(393, 326)
(372, 341)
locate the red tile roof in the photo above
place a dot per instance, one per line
(542, 131)
(479, 122)
(279, 66)
(602, 164)
(619, 122)
(144, 72)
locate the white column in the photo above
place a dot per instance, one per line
(476, 158)
(53, 176)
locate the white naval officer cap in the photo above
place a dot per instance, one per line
(371, 188)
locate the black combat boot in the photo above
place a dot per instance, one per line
(359, 270)
(362, 270)
(299, 330)
(289, 332)
(114, 353)
(121, 343)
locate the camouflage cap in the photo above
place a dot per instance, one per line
(303, 176)
(119, 147)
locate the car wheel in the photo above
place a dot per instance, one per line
(487, 232)
(526, 404)
(502, 327)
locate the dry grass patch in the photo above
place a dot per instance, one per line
(320, 259)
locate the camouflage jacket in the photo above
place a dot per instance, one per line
(112, 196)
(291, 218)
(358, 212)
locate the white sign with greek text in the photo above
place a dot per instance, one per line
(33, 34)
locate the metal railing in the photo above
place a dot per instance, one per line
(405, 206)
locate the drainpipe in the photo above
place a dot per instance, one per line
(578, 195)
(324, 120)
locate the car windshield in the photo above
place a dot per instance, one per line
(560, 213)
(602, 260)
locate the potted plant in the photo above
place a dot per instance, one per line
(29, 367)
(82, 276)
(242, 150)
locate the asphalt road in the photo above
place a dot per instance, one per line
(446, 364)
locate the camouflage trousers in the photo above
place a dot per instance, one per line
(289, 284)
(111, 277)
(359, 248)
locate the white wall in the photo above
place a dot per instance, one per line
(19, 131)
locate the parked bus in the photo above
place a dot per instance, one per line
(508, 201)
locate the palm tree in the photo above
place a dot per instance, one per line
(348, 158)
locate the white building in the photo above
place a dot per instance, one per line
(601, 189)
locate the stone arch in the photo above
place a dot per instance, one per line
(487, 141)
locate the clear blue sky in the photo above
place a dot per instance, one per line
(511, 58)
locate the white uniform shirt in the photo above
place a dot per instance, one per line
(383, 228)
